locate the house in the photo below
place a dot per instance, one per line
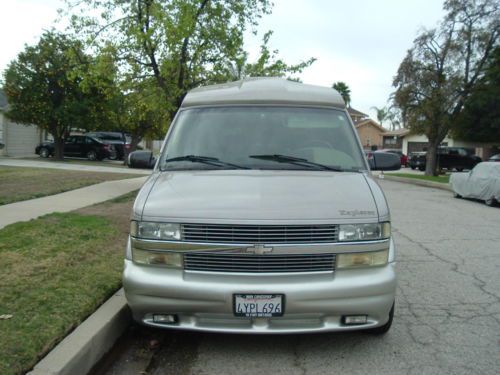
(370, 133)
(356, 115)
(419, 142)
(394, 139)
(17, 139)
(408, 142)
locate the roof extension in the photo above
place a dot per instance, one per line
(371, 122)
(264, 91)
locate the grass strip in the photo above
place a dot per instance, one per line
(56, 270)
(441, 179)
(19, 183)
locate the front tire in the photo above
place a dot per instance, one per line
(490, 202)
(92, 155)
(113, 153)
(386, 327)
(44, 152)
(456, 195)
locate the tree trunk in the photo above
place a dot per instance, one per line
(431, 162)
(58, 147)
(136, 139)
(133, 147)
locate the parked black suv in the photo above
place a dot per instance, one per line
(449, 158)
(120, 141)
(80, 146)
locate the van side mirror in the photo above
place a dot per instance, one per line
(384, 161)
(141, 159)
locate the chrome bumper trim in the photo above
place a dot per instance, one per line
(335, 247)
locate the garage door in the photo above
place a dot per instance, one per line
(20, 140)
(417, 146)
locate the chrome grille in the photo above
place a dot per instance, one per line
(268, 234)
(232, 262)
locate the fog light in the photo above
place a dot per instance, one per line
(165, 318)
(355, 319)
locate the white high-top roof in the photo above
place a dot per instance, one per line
(264, 91)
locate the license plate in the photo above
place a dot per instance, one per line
(258, 305)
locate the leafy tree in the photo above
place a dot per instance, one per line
(344, 91)
(45, 87)
(267, 65)
(441, 70)
(382, 114)
(162, 49)
(139, 112)
(480, 119)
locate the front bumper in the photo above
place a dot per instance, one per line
(315, 302)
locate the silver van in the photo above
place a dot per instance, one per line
(261, 216)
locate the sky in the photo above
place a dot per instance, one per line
(360, 42)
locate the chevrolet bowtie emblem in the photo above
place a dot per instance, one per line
(259, 249)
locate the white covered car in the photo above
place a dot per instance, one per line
(482, 182)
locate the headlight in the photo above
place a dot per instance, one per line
(157, 258)
(155, 231)
(364, 232)
(368, 259)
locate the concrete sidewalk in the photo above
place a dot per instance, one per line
(10, 162)
(68, 201)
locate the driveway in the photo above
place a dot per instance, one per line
(447, 317)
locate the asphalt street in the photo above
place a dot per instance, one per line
(447, 318)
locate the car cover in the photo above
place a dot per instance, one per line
(483, 182)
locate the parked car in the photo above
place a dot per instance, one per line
(417, 160)
(495, 158)
(449, 158)
(79, 146)
(482, 182)
(261, 216)
(120, 141)
(403, 157)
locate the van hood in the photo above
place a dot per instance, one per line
(226, 196)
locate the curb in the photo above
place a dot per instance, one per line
(89, 342)
(415, 181)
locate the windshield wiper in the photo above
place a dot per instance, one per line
(293, 160)
(205, 160)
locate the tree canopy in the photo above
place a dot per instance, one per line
(443, 67)
(46, 86)
(480, 119)
(162, 49)
(344, 91)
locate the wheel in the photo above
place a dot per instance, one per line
(385, 328)
(44, 153)
(113, 154)
(413, 168)
(455, 195)
(92, 155)
(460, 169)
(490, 202)
(421, 169)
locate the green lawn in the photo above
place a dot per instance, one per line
(442, 179)
(19, 183)
(95, 163)
(56, 270)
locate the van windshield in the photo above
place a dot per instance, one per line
(262, 137)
